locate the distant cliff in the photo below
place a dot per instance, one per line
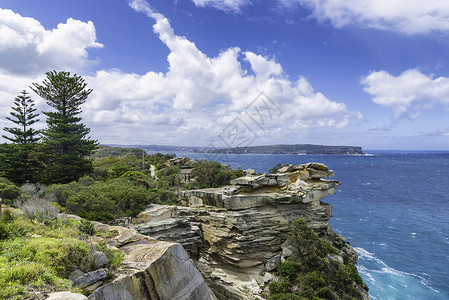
(291, 149)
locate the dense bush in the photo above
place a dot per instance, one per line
(213, 174)
(8, 190)
(118, 170)
(308, 275)
(105, 201)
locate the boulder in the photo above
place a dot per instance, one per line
(272, 263)
(81, 279)
(66, 296)
(100, 259)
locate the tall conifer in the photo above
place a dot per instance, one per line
(65, 139)
(20, 162)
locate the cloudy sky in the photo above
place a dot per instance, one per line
(370, 73)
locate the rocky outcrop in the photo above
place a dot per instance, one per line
(152, 269)
(236, 234)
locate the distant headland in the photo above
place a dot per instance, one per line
(267, 149)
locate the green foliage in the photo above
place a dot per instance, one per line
(118, 170)
(11, 229)
(65, 139)
(22, 167)
(287, 269)
(168, 178)
(105, 201)
(312, 249)
(285, 296)
(106, 151)
(86, 227)
(30, 263)
(314, 286)
(8, 190)
(103, 166)
(42, 259)
(159, 160)
(213, 174)
(281, 286)
(310, 271)
(115, 256)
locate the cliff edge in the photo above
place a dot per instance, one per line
(236, 235)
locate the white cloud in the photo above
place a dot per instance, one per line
(191, 103)
(199, 95)
(411, 90)
(26, 47)
(407, 16)
(225, 5)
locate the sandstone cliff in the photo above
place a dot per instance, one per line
(236, 234)
(152, 269)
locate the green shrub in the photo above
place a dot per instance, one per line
(86, 227)
(281, 286)
(133, 175)
(287, 269)
(59, 193)
(106, 201)
(118, 170)
(8, 191)
(61, 255)
(213, 174)
(285, 296)
(12, 230)
(115, 256)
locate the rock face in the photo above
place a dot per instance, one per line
(235, 234)
(152, 269)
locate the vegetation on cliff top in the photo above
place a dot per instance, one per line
(315, 272)
(38, 252)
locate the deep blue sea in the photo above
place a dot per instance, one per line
(393, 207)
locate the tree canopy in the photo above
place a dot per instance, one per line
(20, 161)
(65, 140)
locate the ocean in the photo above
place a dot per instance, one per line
(393, 207)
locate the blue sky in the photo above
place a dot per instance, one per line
(371, 73)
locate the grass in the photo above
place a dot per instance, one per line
(40, 256)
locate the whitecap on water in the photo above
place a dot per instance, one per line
(386, 282)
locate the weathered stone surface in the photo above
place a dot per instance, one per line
(100, 259)
(152, 270)
(81, 279)
(236, 229)
(66, 296)
(273, 263)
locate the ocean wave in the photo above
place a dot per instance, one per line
(380, 267)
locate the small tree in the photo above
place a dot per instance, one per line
(23, 115)
(22, 160)
(65, 139)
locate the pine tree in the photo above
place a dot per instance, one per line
(65, 139)
(21, 165)
(23, 115)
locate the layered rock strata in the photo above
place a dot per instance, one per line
(152, 269)
(235, 234)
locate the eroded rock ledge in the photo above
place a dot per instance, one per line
(152, 269)
(235, 234)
